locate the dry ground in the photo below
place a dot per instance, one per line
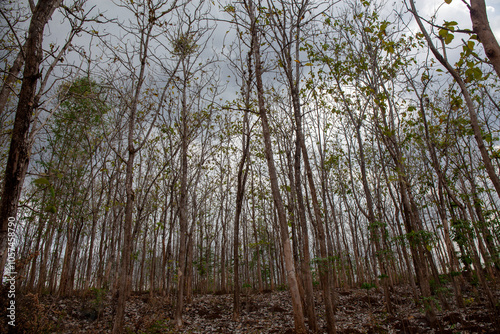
(358, 311)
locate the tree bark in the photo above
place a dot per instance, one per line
(242, 178)
(481, 27)
(306, 260)
(183, 219)
(278, 202)
(7, 84)
(20, 146)
(125, 278)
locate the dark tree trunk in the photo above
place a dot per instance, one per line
(20, 146)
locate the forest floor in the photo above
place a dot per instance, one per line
(358, 311)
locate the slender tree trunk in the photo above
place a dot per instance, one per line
(416, 246)
(189, 264)
(463, 88)
(140, 282)
(181, 266)
(442, 182)
(152, 273)
(306, 260)
(223, 254)
(68, 250)
(125, 276)
(317, 221)
(240, 191)
(183, 222)
(54, 263)
(290, 268)
(88, 270)
(46, 251)
(375, 227)
(257, 245)
(33, 270)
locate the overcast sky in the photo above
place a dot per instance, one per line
(456, 11)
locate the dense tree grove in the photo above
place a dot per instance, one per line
(179, 147)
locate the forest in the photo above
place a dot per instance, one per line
(252, 166)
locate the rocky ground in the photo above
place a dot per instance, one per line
(358, 311)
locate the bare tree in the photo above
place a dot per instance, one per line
(255, 34)
(148, 17)
(189, 41)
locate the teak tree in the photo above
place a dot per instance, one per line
(255, 35)
(335, 155)
(148, 17)
(20, 146)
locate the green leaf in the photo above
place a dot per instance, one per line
(448, 38)
(445, 34)
(50, 209)
(383, 25)
(478, 74)
(42, 182)
(450, 25)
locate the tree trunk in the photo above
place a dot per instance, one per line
(48, 244)
(240, 191)
(88, 271)
(125, 278)
(125, 275)
(20, 146)
(7, 84)
(468, 100)
(317, 221)
(481, 27)
(287, 251)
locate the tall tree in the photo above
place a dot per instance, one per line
(241, 182)
(255, 35)
(288, 22)
(20, 146)
(147, 17)
(196, 86)
(476, 128)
